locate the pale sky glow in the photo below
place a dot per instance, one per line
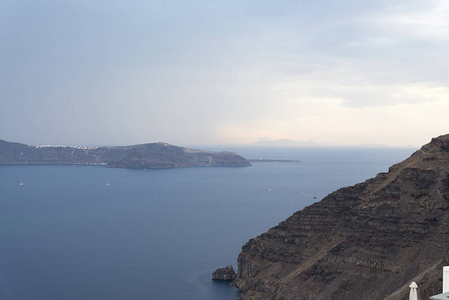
(223, 72)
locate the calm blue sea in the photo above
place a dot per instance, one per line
(155, 234)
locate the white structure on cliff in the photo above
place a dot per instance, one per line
(445, 294)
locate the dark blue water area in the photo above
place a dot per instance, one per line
(155, 234)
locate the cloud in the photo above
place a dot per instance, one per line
(365, 56)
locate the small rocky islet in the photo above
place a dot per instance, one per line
(226, 274)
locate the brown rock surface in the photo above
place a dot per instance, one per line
(368, 241)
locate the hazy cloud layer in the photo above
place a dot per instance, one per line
(205, 72)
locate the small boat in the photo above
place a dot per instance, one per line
(21, 182)
(107, 183)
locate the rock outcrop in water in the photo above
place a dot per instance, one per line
(368, 241)
(154, 155)
(226, 273)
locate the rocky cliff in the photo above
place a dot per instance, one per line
(368, 241)
(154, 155)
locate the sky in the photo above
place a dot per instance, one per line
(97, 72)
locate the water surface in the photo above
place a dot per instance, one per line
(155, 234)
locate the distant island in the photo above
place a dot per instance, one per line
(143, 156)
(267, 142)
(286, 143)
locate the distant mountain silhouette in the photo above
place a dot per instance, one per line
(284, 143)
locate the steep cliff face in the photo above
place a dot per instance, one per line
(368, 241)
(153, 155)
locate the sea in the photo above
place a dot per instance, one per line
(90, 232)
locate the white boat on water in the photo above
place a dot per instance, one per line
(21, 182)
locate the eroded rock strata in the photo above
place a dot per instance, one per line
(153, 155)
(368, 241)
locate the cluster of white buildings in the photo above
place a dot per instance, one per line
(64, 146)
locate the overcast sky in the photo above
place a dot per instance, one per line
(97, 72)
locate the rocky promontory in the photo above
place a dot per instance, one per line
(367, 241)
(152, 155)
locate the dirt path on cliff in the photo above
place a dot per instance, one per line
(312, 260)
(405, 288)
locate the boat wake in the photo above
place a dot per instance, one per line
(307, 196)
